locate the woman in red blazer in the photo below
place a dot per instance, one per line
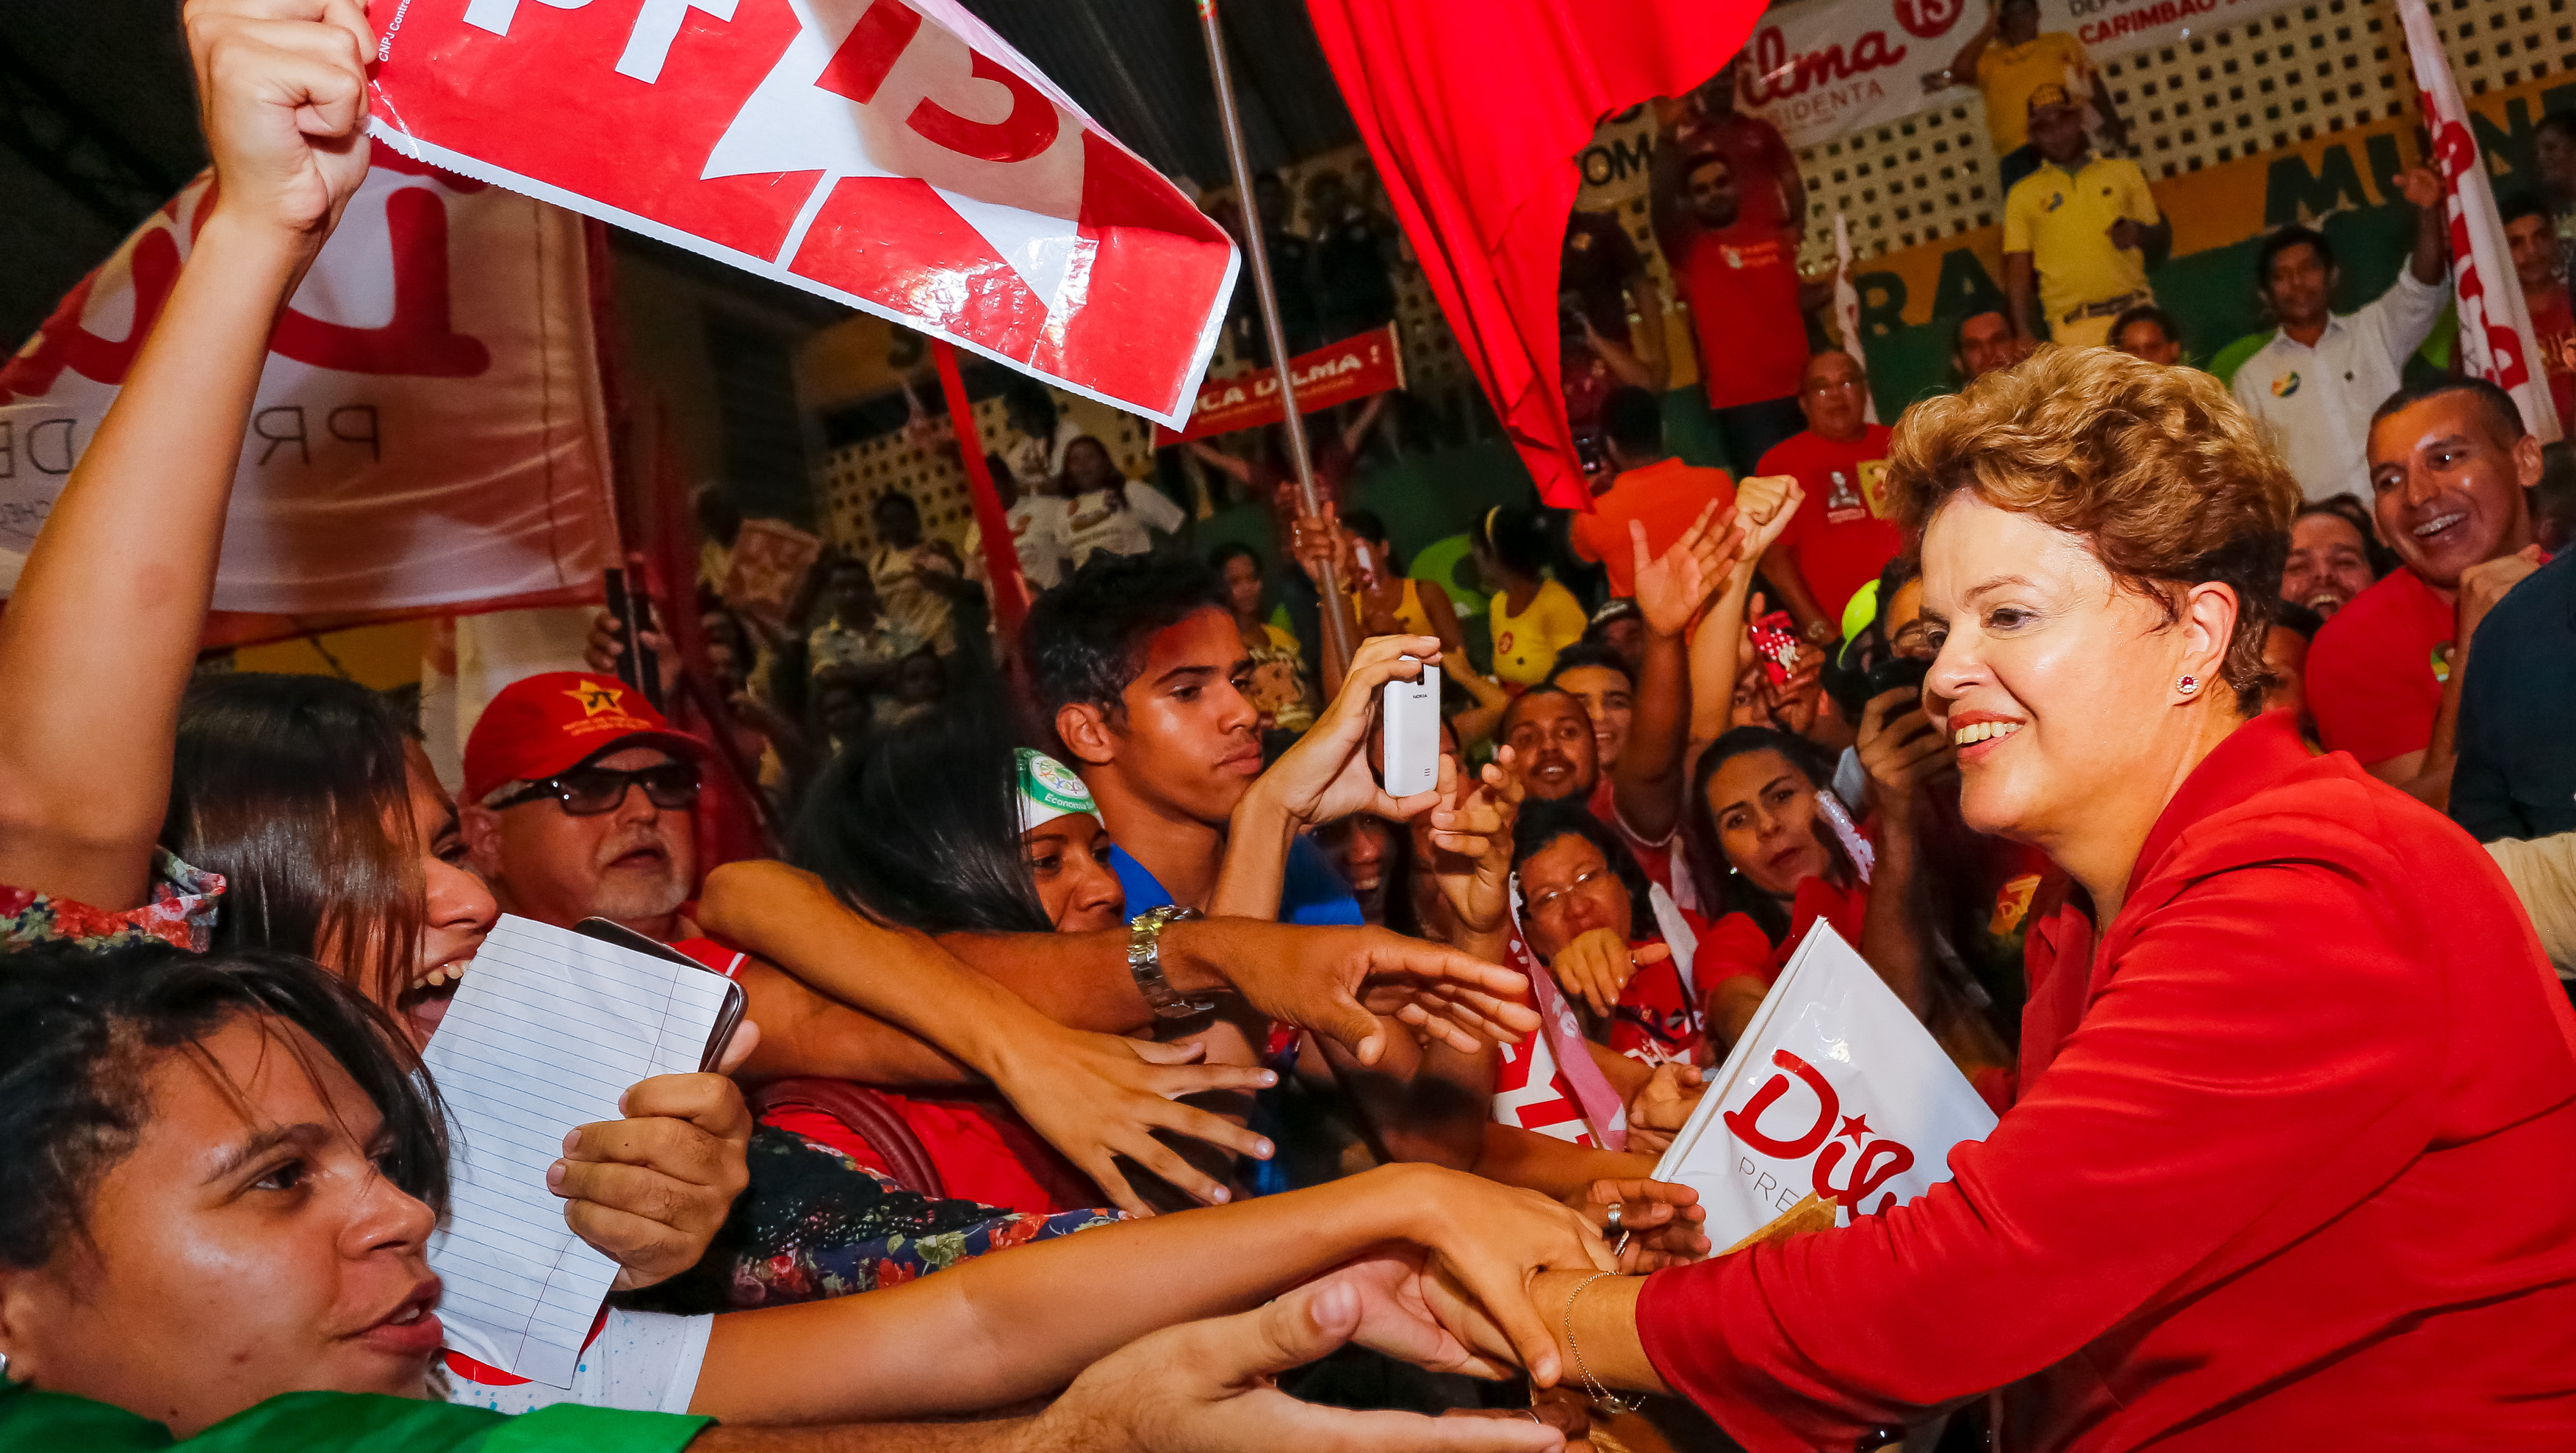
(2294, 1159)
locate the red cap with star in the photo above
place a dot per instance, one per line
(552, 723)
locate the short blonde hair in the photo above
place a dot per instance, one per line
(2164, 477)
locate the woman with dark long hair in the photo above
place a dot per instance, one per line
(1772, 853)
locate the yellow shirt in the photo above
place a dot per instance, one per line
(2063, 220)
(1525, 645)
(1408, 609)
(2009, 73)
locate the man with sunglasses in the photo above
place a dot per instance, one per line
(579, 802)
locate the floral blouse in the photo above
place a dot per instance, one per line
(181, 913)
(816, 1224)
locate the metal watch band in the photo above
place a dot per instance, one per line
(1145, 961)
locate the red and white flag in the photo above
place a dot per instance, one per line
(1835, 1089)
(2496, 339)
(428, 435)
(894, 155)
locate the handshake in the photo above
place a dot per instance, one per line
(1469, 1277)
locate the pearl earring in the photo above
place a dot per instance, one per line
(2188, 685)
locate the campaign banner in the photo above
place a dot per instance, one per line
(1820, 70)
(428, 434)
(1835, 1089)
(2496, 338)
(893, 155)
(1356, 367)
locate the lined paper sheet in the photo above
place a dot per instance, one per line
(548, 1030)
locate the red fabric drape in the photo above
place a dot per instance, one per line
(1475, 111)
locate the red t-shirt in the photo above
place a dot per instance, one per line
(1655, 857)
(1666, 495)
(983, 1150)
(1742, 286)
(1737, 947)
(2553, 327)
(1839, 539)
(2375, 673)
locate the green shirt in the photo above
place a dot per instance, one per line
(326, 1422)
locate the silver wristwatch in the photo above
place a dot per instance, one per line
(1145, 961)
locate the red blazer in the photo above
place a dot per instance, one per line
(2293, 1166)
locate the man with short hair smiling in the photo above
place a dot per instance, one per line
(577, 804)
(2314, 384)
(2537, 264)
(2449, 462)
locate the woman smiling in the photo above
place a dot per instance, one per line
(2270, 1178)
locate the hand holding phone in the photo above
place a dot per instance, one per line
(1409, 714)
(1775, 641)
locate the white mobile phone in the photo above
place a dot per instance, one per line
(1409, 713)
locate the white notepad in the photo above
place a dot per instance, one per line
(548, 1030)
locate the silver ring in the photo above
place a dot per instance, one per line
(1612, 1220)
(1534, 1417)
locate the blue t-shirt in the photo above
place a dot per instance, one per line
(1310, 892)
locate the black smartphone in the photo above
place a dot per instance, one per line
(632, 615)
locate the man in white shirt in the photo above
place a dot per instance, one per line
(2315, 384)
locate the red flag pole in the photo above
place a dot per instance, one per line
(1001, 557)
(1310, 500)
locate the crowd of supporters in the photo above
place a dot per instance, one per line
(1126, 1068)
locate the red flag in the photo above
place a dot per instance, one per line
(894, 155)
(1474, 111)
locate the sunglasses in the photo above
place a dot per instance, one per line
(590, 791)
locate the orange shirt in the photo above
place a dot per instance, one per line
(2293, 1165)
(1666, 495)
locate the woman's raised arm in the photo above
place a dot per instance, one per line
(100, 635)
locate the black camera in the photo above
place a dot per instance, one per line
(1854, 688)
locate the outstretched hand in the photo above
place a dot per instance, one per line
(1663, 1105)
(1097, 1097)
(1471, 839)
(1660, 1223)
(1337, 981)
(1598, 964)
(1671, 590)
(1212, 1387)
(282, 88)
